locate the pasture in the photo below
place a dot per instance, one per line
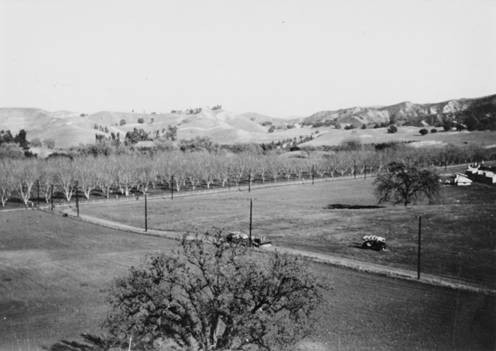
(333, 137)
(55, 271)
(459, 239)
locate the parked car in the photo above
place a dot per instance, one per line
(243, 239)
(374, 242)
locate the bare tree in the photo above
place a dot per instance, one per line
(7, 181)
(85, 175)
(65, 176)
(25, 173)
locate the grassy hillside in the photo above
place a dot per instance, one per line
(224, 127)
(331, 136)
(70, 129)
(407, 113)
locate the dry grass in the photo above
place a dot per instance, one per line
(458, 234)
(54, 273)
(330, 136)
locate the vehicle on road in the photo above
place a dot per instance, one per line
(238, 237)
(374, 242)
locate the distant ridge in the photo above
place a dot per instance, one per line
(408, 113)
(68, 128)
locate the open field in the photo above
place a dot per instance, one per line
(459, 239)
(331, 136)
(54, 273)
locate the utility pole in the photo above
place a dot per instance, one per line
(249, 181)
(146, 213)
(313, 175)
(251, 219)
(51, 197)
(77, 199)
(38, 192)
(172, 188)
(419, 245)
(365, 171)
(354, 169)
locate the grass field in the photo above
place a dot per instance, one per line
(54, 273)
(459, 238)
(331, 136)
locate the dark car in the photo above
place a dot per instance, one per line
(237, 237)
(374, 242)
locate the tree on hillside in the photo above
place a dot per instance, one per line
(402, 183)
(20, 139)
(171, 133)
(212, 295)
(392, 129)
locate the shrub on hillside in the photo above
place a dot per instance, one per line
(433, 130)
(392, 129)
(141, 120)
(423, 131)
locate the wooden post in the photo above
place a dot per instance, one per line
(249, 181)
(419, 245)
(77, 199)
(354, 169)
(251, 218)
(38, 192)
(313, 175)
(146, 213)
(172, 188)
(51, 197)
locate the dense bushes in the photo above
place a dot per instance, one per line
(392, 129)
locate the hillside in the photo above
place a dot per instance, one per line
(477, 113)
(69, 128)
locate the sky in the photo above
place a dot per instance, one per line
(276, 57)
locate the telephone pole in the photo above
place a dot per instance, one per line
(419, 245)
(251, 219)
(146, 213)
(172, 188)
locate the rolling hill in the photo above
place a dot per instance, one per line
(68, 128)
(71, 128)
(477, 111)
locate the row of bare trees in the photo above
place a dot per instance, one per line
(127, 174)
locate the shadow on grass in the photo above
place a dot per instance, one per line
(351, 207)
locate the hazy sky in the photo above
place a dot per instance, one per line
(277, 57)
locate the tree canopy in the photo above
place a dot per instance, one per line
(402, 183)
(210, 295)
